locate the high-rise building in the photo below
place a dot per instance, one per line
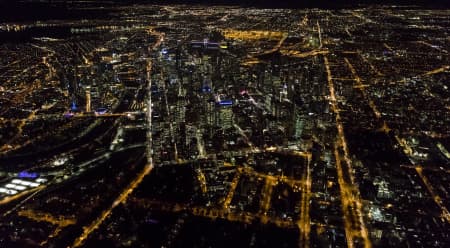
(88, 99)
(209, 115)
(284, 92)
(299, 123)
(224, 114)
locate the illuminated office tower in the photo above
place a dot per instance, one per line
(224, 114)
(284, 93)
(209, 113)
(299, 123)
(180, 110)
(88, 99)
(225, 117)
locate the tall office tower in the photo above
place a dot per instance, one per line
(268, 101)
(88, 99)
(224, 116)
(180, 110)
(189, 135)
(284, 93)
(73, 83)
(209, 113)
(180, 105)
(298, 123)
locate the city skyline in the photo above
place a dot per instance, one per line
(142, 125)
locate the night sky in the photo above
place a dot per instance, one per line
(30, 10)
(284, 3)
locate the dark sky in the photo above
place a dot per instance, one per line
(293, 3)
(29, 10)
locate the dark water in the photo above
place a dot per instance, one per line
(34, 32)
(21, 13)
(15, 11)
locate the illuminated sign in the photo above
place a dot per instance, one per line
(25, 174)
(101, 111)
(226, 103)
(68, 115)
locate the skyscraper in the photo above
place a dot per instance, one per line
(224, 116)
(88, 99)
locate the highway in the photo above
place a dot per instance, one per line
(9, 199)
